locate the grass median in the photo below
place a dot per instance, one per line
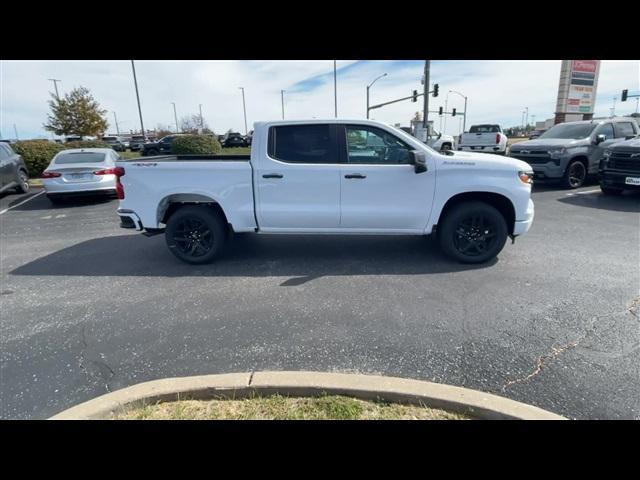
(277, 407)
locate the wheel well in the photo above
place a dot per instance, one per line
(171, 204)
(582, 159)
(499, 202)
(446, 143)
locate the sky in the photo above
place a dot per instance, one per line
(497, 91)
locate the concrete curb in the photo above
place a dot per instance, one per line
(367, 387)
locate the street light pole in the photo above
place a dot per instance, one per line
(425, 115)
(244, 108)
(116, 119)
(135, 81)
(446, 104)
(335, 88)
(201, 121)
(282, 99)
(16, 131)
(55, 85)
(175, 116)
(527, 117)
(368, 87)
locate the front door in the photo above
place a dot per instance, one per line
(380, 190)
(298, 179)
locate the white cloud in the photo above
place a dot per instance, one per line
(498, 91)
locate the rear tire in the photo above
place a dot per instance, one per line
(196, 234)
(611, 190)
(23, 182)
(575, 175)
(151, 153)
(473, 232)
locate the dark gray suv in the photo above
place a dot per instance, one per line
(571, 151)
(13, 171)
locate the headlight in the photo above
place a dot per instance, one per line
(526, 177)
(557, 152)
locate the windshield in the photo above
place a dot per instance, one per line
(573, 131)
(485, 129)
(83, 157)
(109, 139)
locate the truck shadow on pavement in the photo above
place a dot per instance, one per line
(627, 202)
(301, 258)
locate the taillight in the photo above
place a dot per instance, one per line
(46, 174)
(497, 138)
(118, 172)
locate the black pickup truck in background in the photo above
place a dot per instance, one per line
(161, 147)
(619, 167)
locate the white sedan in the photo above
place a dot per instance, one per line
(81, 171)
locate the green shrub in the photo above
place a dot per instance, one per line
(86, 144)
(196, 145)
(37, 154)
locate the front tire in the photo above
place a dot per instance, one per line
(195, 234)
(574, 175)
(23, 182)
(473, 232)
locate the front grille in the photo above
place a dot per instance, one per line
(543, 157)
(623, 161)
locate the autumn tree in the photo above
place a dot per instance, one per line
(77, 113)
(191, 124)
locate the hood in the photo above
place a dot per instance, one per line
(486, 160)
(627, 144)
(543, 143)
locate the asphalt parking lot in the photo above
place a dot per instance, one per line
(89, 308)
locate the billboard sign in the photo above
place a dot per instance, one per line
(578, 83)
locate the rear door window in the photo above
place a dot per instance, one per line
(303, 144)
(624, 129)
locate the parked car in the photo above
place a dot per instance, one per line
(13, 170)
(535, 134)
(136, 142)
(329, 177)
(80, 171)
(619, 168)
(484, 138)
(233, 139)
(569, 152)
(161, 147)
(116, 143)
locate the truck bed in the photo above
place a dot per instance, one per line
(191, 158)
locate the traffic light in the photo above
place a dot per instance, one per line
(453, 112)
(440, 111)
(415, 96)
(624, 95)
(436, 87)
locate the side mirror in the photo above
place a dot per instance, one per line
(418, 160)
(600, 138)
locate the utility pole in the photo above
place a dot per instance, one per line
(201, 121)
(446, 104)
(527, 118)
(16, 130)
(613, 110)
(282, 98)
(533, 121)
(335, 88)
(244, 108)
(175, 117)
(425, 116)
(55, 85)
(135, 81)
(116, 120)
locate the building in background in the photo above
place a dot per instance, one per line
(577, 90)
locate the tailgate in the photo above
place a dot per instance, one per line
(478, 139)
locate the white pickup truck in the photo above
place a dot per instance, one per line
(484, 138)
(328, 177)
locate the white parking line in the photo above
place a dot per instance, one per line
(21, 203)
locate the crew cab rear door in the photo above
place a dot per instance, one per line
(298, 182)
(380, 190)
